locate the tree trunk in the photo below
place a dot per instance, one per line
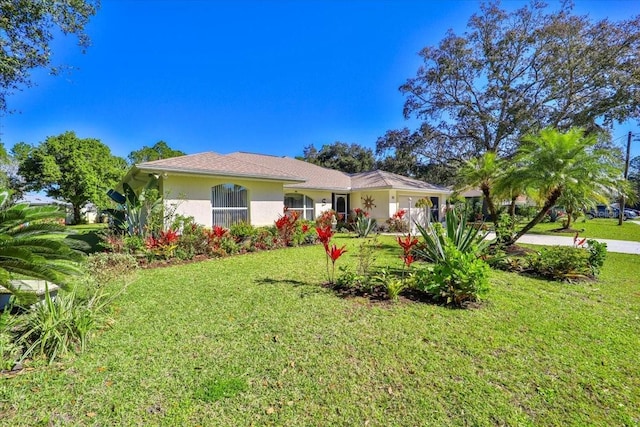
(569, 217)
(486, 192)
(621, 211)
(548, 204)
(77, 216)
(512, 207)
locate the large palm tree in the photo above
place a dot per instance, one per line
(29, 246)
(553, 163)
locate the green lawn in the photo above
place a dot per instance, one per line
(255, 340)
(602, 228)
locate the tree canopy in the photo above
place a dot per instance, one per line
(159, 150)
(349, 158)
(72, 169)
(403, 152)
(514, 73)
(26, 30)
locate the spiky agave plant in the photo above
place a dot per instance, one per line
(30, 248)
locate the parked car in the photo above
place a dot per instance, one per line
(628, 212)
(604, 211)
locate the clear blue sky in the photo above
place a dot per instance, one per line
(262, 76)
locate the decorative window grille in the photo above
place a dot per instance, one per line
(229, 204)
(300, 203)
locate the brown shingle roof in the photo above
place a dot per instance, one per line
(215, 164)
(298, 173)
(315, 176)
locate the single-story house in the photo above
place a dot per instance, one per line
(88, 211)
(218, 189)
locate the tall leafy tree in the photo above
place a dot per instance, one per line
(72, 169)
(159, 150)
(401, 152)
(27, 28)
(349, 158)
(513, 73)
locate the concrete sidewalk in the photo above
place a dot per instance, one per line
(620, 246)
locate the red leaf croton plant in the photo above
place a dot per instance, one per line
(332, 252)
(407, 243)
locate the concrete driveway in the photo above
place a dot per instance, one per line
(620, 246)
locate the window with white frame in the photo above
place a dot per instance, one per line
(229, 204)
(300, 203)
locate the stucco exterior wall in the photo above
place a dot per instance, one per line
(193, 196)
(381, 199)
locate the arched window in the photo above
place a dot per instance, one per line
(300, 203)
(229, 205)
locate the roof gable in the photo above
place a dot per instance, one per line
(382, 179)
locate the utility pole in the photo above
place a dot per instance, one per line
(626, 175)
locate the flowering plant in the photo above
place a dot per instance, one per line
(407, 244)
(286, 226)
(164, 245)
(331, 252)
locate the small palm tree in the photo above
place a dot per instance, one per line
(29, 247)
(483, 172)
(553, 163)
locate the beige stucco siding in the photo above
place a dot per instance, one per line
(381, 199)
(193, 196)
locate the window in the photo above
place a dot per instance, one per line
(300, 203)
(229, 204)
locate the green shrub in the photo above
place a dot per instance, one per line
(264, 238)
(194, 240)
(392, 284)
(597, 255)
(458, 279)
(107, 267)
(241, 231)
(560, 263)
(362, 277)
(397, 222)
(133, 243)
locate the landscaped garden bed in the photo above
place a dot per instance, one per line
(255, 339)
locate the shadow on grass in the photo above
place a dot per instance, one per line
(307, 289)
(86, 242)
(270, 281)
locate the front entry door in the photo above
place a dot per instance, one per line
(341, 206)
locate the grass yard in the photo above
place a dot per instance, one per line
(601, 228)
(255, 340)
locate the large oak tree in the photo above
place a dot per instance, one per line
(513, 73)
(349, 158)
(76, 170)
(159, 150)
